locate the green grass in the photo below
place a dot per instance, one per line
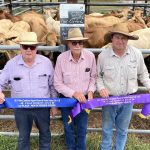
(58, 143)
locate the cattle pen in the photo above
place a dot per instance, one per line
(17, 7)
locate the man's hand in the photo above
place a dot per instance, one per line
(104, 93)
(80, 97)
(148, 90)
(2, 98)
(90, 95)
(54, 112)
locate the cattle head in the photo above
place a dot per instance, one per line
(51, 12)
(51, 39)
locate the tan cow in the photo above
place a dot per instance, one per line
(106, 20)
(138, 16)
(96, 36)
(36, 22)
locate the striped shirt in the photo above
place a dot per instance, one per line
(120, 75)
(71, 76)
(29, 82)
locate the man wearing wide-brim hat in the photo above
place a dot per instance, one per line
(75, 77)
(119, 67)
(30, 76)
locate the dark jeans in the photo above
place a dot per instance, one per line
(75, 132)
(24, 120)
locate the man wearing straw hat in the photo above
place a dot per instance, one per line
(30, 76)
(75, 77)
(119, 67)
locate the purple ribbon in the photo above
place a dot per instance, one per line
(114, 100)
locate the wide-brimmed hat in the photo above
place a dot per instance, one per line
(75, 34)
(29, 38)
(120, 28)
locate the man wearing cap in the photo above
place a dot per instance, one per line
(119, 67)
(30, 76)
(75, 77)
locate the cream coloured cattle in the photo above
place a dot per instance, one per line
(53, 25)
(53, 12)
(143, 41)
(5, 25)
(17, 29)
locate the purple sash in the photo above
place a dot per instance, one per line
(114, 100)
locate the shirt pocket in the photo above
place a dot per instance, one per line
(67, 78)
(17, 84)
(43, 80)
(132, 71)
(109, 72)
(86, 76)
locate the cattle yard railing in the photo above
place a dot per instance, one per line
(19, 6)
(61, 49)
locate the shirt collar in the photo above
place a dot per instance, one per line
(126, 52)
(82, 57)
(21, 61)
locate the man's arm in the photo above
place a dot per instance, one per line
(4, 78)
(92, 82)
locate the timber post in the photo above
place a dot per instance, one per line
(10, 7)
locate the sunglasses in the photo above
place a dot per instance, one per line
(31, 47)
(74, 43)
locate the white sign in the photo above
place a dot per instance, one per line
(71, 15)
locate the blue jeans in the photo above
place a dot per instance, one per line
(24, 120)
(75, 132)
(120, 116)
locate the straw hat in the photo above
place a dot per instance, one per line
(120, 28)
(29, 38)
(75, 34)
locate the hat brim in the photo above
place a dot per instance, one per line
(32, 43)
(108, 36)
